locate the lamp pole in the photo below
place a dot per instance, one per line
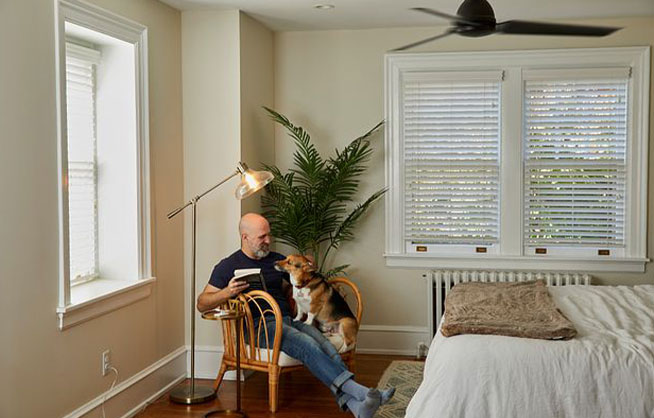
(192, 394)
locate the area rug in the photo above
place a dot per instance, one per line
(405, 376)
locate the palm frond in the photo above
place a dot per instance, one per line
(345, 231)
(307, 159)
(341, 175)
(308, 206)
(336, 270)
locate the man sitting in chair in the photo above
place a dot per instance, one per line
(299, 340)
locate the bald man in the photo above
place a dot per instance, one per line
(254, 253)
(303, 342)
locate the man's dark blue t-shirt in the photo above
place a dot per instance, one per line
(224, 271)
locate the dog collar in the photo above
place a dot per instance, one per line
(308, 284)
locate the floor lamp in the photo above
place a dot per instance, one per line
(251, 182)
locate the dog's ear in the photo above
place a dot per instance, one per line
(309, 267)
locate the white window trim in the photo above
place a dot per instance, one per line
(105, 298)
(108, 295)
(512, 255)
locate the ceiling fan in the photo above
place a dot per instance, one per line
(476, 18)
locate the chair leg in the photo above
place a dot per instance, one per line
(221, 374)
(273, 386)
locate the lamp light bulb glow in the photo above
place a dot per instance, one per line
(252, 182)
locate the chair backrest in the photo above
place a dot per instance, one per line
(351, 293)
(261, 348)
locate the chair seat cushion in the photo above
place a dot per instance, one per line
(285, 360)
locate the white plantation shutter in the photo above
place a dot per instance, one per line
(575, 146)
(82, 173)
(451, 130)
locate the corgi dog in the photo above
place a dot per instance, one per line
(319, 300)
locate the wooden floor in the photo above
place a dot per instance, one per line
(300, 394)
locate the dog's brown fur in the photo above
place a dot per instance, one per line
(326, 306)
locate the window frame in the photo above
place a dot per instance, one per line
(512, 254)
(452, 79)
(99, 296)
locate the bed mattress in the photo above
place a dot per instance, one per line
(606, 371)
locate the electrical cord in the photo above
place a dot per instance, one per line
(104, 397)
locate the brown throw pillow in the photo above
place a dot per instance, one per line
(523, 309)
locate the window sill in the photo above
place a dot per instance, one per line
(100, 296)
(630, 265)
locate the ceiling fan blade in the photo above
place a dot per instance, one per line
(424, 41)
(538, 28)
(444, 15)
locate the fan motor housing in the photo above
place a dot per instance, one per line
(476, 11)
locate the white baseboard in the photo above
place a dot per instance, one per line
(391, 339)
(207, 363)
(130, 396)
(373, 339)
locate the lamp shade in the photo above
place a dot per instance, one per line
(251, 181)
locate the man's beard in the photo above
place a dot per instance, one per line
(262, 251)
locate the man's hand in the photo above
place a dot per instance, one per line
(211, 296)
(235, 286)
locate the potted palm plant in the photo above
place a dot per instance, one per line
(312, 206)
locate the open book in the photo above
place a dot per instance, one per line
(253, 277)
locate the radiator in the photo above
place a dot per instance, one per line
(441, 281)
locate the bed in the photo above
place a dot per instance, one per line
(607, 370)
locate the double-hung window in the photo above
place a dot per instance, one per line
(517, 159)
(104, 211)
(451, 134)
(575, 161)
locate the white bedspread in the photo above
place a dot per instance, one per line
(606, 371)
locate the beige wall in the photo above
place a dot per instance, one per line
(257, 132)
(227, 77)
(210, 67)
(331, 83)
(62, 369)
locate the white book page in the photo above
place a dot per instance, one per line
(245, 272)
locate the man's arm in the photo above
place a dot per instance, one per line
(211, 296)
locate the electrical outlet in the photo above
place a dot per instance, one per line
(106, 362)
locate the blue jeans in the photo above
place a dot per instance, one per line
(307, 344)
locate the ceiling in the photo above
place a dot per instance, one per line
(288, 15)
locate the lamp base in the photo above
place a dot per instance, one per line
(182, 394)
(225, 413)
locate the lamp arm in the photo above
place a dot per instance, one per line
(196, 198)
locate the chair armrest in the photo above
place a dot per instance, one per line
(354, 289)
(256, 300)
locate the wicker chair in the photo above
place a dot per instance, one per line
(254, 354)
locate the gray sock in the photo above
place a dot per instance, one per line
(386, 395)
(358, 391)
(367, 407)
